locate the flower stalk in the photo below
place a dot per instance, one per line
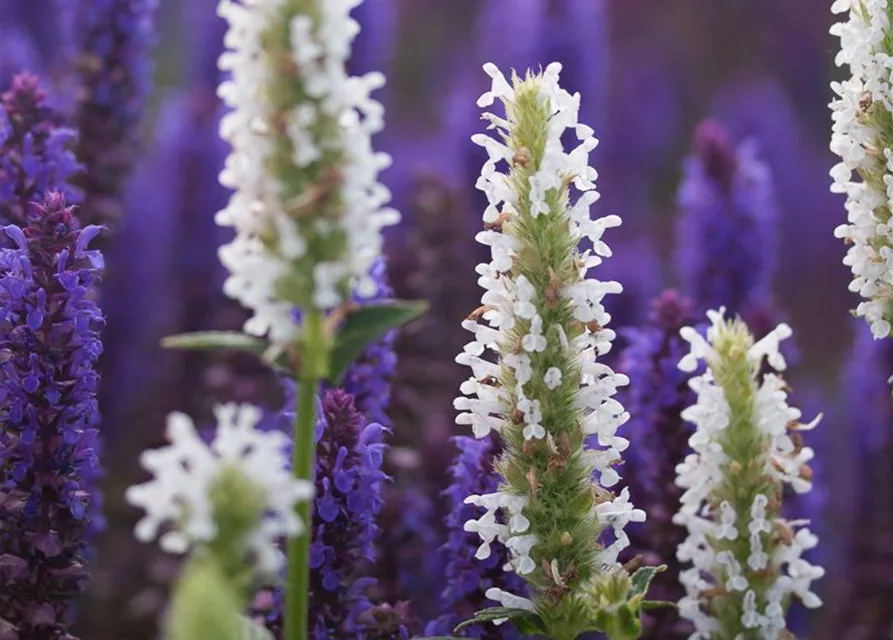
(307, 209)
(546, 394)
(747, 559)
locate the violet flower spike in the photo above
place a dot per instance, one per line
(727, 236)
(115, 78)
(48, 458)
(467, 577)
(35, 150)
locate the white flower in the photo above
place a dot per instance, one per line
(704, 475)
(319, 47)
(855, 139)
(185, 473)
(535, 358)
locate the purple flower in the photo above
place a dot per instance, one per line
(726, 240)
(349, 455)
(862, 587)
(17, 53)
(467, 578)
(48, 457)
(657, 394)
(115, 67)
(35, 152)
(348, 475)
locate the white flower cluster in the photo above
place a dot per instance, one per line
(185, 474)
(704, 471)
(319, 52)
(507, 299)
(869, 230)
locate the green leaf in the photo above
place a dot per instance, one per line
(642, 578)
(365, 325)
(253, 631)
(213, 340)
(525, 621)
(651, 605)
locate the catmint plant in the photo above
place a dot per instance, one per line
(114, 65)
(862, 111)
(307, 207)
(546, 392)
(747, 560)
(230, 503)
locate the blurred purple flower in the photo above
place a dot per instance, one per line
(858, 596)
(657, 394)
(727, 239)
(48, 456)
(467, 578)
(406, 566)
(375, 48)
(17, 54)
(114, 62)
(35, 151)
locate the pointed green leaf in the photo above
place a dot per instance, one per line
(642, 578)
(650, 605)
(213, 340)
(365, 325)
(525, 621)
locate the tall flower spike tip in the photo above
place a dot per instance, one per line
(35, 150)
(746, 559)
(238, 488)
(544, 320)
(307, 209)
(49, 413)
(117, 37)
(862, 112)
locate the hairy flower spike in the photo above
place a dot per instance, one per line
(307, 209)
(48, 443)
(238, 491)
(544, 415)
(862, 111)
(747, 560)
(115, 77)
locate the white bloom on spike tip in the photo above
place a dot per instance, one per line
(727, 442)
(187, 471)
(861, 113)
(274, 231)
(541, 327)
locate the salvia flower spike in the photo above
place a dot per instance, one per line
(747, 560)
(544, 320)
(49, 439)
(308, 208)
(238, 491)
(862, 112)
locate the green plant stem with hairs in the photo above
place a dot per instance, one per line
(314, 364)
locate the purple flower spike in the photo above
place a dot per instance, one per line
(35, 152)
(349, 454)
(657, 394)
(48, 446)
(117, 37)
(726, 254)
(467, 577)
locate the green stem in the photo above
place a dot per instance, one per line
(314, 352)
